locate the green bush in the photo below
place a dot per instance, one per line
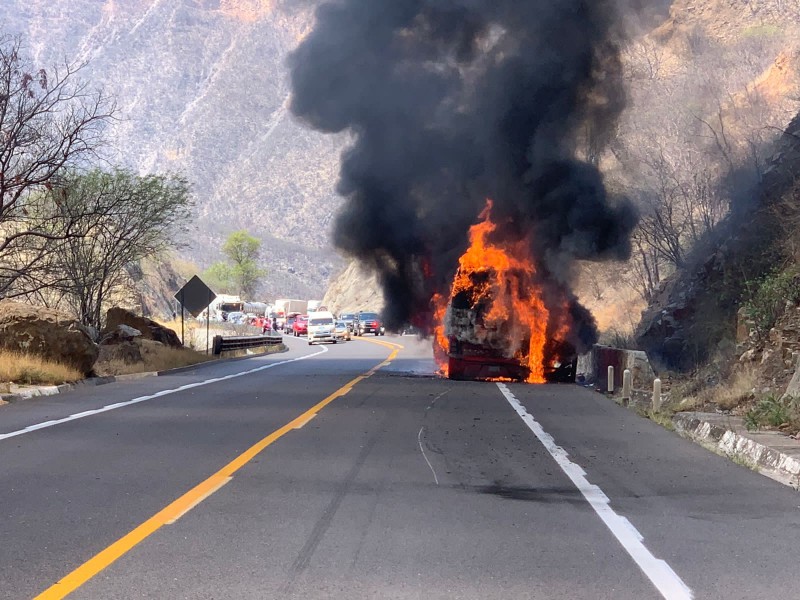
(772, 411)
(768, 298)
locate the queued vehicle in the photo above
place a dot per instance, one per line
(351, 320)
(288, 325)
(370, 322)
(300, 325)
(321, 328)
(236, 317)
(341, 331)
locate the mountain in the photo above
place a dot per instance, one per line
(202, 88)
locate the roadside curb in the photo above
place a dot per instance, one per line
(770, 453)
(26, 392)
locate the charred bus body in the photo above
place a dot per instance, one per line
(482, 352)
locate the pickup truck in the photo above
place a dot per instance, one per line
(369, 322)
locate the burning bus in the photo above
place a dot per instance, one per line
(459, 102)
(496, 323)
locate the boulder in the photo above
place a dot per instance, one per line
(119, 335)
(47, 333)
(149, 329)
(127, 352)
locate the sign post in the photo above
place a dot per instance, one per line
(183, 342)
(195, 297)
(208, 319)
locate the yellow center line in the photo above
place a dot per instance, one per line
(390, 345)
(193, 497)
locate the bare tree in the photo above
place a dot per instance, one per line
(141, 217)
(49, 121)
(644, 60)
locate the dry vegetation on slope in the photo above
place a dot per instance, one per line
(710, 89)
(202, 88)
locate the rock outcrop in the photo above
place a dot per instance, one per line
(47, 333)
(149, 329)
(353, 290)
(694, 314)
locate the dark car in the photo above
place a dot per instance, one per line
(351, 320)
(369, 322)
(288, 326)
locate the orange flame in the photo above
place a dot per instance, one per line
(499, 279)
(441, 345)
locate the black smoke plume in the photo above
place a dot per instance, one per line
(451, 102)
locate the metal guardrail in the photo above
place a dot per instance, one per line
(243, 342)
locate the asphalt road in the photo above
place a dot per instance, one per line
(393, 485)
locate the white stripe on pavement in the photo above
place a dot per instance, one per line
(667, 582)
(88, 413)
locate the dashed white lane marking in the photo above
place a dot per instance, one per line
(666, 581)
(97, 411)
(430, 466)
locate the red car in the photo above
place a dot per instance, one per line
(300, 325)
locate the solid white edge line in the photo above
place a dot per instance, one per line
(666, 581)
(110, 407)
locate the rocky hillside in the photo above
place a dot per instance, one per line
(202, 88)
(693, 317)
(353, 290)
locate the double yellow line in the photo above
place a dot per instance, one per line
(197, 494)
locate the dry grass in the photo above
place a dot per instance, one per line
(737, 391)
(28, 369)
(156, 357)
(189, 324)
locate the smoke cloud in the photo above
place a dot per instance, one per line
(451, 102)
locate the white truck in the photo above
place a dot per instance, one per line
(224, 304)
(285, 307)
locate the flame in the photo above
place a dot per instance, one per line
(441, 345)
(498, 281)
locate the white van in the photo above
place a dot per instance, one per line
(320, 327)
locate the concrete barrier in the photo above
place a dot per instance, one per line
(593, 368)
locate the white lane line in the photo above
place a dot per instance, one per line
(430, 466)
(89, 413)
(666, 581)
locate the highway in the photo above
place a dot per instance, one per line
(351, 471)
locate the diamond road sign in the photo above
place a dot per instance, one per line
(195, 296)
